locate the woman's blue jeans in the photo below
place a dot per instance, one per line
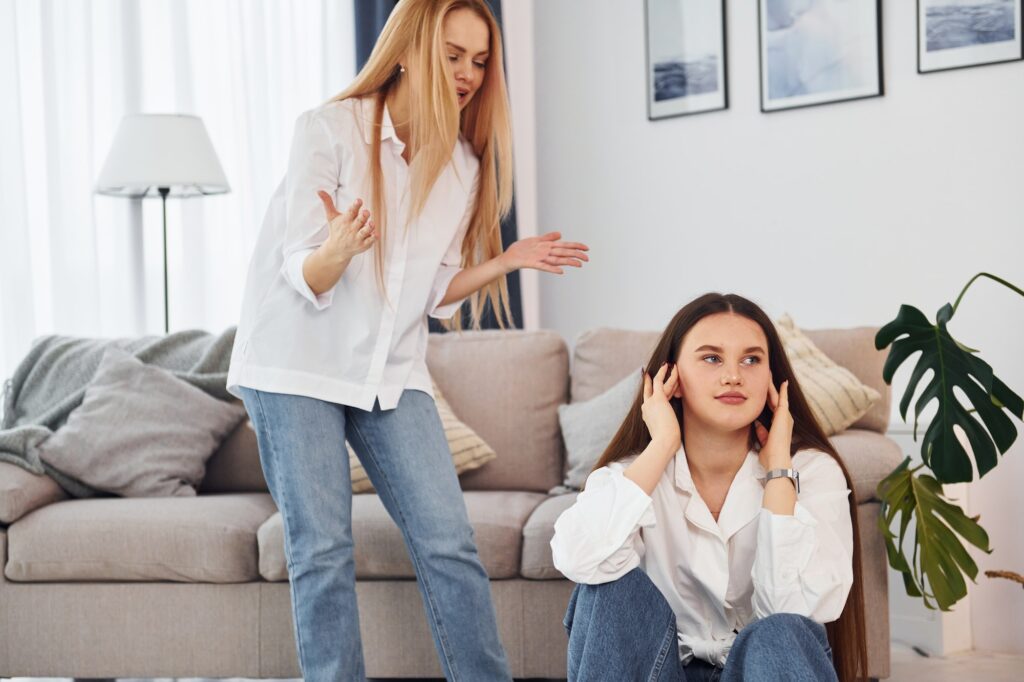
(625, 630)
(406, 455)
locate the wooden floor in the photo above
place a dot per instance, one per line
(907, 666)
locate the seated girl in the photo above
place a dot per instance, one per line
(716, 537)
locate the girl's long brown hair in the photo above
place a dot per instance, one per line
(846, 635)
(415, 31)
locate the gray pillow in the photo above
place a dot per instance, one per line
(589, 426)
(140, 431)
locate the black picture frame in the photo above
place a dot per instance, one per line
(686, 104)
(953, 64)
(874, 89)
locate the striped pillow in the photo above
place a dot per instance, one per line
(836, 397)
(469, 451)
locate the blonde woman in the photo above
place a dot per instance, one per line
(332, 339)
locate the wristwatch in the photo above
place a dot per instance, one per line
(784, 473)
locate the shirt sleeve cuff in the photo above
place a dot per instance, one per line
(784, 546)
(631, 504)
(441, 283)
(594, 539)
(292, 271)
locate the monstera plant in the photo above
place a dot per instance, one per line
(938, 559)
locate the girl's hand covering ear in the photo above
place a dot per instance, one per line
(657, 413)
(775, 444)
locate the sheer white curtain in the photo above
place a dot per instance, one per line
(72, 262)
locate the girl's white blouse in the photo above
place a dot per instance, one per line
(717, 577)
(350, 345)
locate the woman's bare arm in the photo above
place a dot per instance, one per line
(545, 253)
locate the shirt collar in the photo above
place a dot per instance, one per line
(743, 501)
(387, 126)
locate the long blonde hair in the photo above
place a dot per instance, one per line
(415, 31)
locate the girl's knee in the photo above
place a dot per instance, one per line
(634, 590)
(443, 545)
(783, 625)
(631, 583)
(787, 620)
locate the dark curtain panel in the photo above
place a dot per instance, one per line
(370, 18)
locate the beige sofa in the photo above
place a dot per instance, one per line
(197, 587)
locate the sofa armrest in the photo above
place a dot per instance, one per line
(869, 457)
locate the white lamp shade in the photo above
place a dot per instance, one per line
(161, 150)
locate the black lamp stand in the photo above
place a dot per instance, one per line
(164, 191)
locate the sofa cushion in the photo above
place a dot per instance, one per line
(603, 356)
(537, 534)
(235, 467)
(209, 538)
(21, 491)
(497, 519)
(507, 386)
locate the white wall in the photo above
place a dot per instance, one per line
(835, 214)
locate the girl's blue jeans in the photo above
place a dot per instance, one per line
(626, 630)
(407, 458)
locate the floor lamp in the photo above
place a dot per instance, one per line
(165, 155)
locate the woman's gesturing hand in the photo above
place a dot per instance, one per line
(351, 232)
(657, 413)
(775, 444)
(545, 253)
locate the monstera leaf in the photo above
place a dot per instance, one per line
(940, 561)
(953, 365)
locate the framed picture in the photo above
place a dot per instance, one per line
(686, 69)
(955, 34)
(819, 52)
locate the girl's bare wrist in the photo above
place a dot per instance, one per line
(667, 445)
(504, 266)
(334, 252)
(784, 461)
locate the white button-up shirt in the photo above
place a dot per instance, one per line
(717, 577)
(349, 345)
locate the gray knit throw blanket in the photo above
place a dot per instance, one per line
(50, 382)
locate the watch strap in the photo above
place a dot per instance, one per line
(784, 473)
